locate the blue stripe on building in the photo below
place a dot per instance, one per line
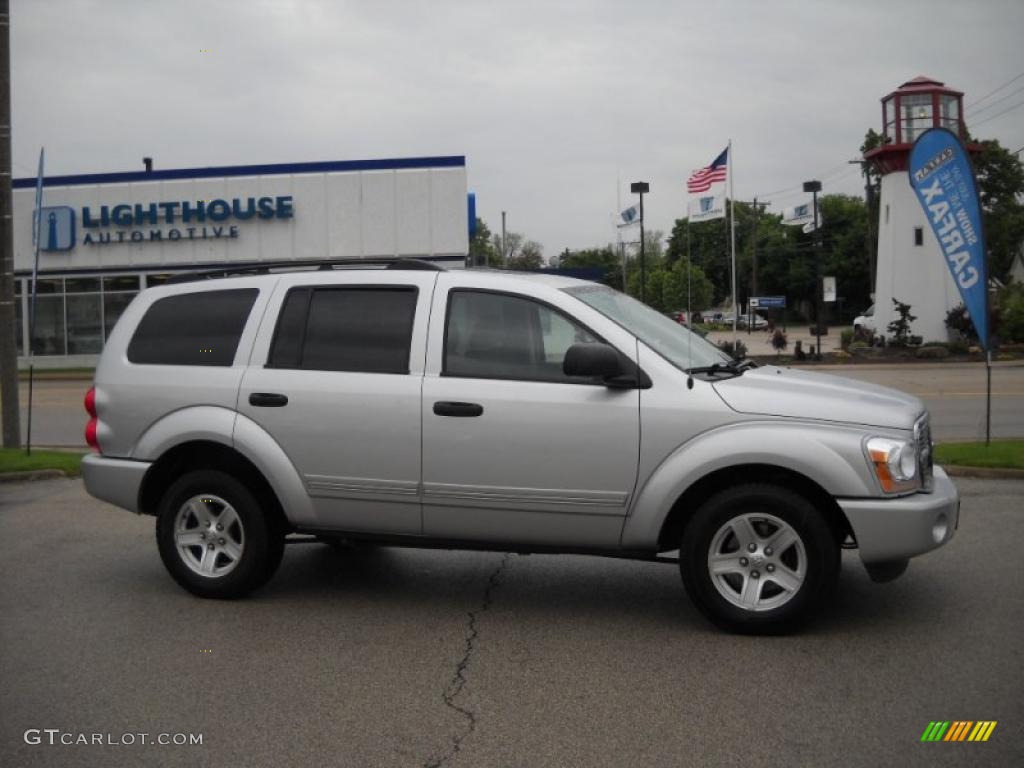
(270, 169)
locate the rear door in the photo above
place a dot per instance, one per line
(336, 382)
(514, 450)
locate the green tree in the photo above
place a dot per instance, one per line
(604, 258)
(481, 250)
(1000, 175)
(674, 292)
(529, 256)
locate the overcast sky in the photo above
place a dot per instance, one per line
(551, 102)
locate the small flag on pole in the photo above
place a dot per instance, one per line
(706, 208)
(630, 216)
(702, 179)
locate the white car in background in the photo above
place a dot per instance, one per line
(865, 321)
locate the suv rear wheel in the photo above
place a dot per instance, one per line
(215, 538)
(758, 559)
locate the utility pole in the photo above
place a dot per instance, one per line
(8, 348)
(639, 188)
(814, 187)
(502, 238)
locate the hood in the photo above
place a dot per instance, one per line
(773, 391)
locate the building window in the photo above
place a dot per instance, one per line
(918, 236)
(949, 111)
(50, 337)
(19, 322)
(917, 115)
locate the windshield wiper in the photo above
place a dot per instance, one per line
(733, 367)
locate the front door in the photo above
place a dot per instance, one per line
(514, 450)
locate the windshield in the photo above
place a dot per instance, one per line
(668, 338)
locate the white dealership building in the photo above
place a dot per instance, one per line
(104, 237)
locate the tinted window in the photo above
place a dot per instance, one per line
(496, 336)
(358, 329)
(193, 328)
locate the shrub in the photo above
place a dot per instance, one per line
(779, 341)
(736, 351)
(900, 327)
(959, 322)
(846, 338)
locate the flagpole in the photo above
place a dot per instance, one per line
(38, 232)
(618, 230)
(732, 238)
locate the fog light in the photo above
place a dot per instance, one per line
(940, 529)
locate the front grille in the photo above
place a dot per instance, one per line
(923, 443)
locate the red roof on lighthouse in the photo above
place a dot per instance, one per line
(923, 83)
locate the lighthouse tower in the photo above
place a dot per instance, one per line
(911, 267)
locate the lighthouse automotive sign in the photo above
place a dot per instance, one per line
(941, 176)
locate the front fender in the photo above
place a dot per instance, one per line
(830, 455)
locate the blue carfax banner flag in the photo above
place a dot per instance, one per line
(940, 173)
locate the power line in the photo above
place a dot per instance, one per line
(1018, 105)
(993, 103)
(824, 175)
(997, 90)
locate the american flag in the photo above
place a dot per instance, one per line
(702, 179)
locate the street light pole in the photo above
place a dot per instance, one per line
(639, 188)
(815, 187)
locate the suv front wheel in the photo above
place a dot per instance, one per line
(758, 559)
(215, 538)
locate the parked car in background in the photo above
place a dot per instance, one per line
(865, 322)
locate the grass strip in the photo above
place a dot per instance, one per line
(15, 460)
(1005, 454)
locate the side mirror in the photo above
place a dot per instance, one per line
(593, 361)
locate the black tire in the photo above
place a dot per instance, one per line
(809, 568)
(255, 531)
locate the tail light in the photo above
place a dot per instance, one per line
(90, 427)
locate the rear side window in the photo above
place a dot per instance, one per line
(358, 329)
(201, 328)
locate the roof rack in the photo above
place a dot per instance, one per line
(267, 267)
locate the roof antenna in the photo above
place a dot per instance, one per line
(148, 162)
(689, 312)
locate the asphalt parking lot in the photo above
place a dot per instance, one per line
(392, 657)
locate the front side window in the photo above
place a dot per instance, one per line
(500, 336)
(201, 328)
(357, 329)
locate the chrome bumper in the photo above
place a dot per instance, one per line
(895, 529)
(115, 480)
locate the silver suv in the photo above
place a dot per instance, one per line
(478, 409)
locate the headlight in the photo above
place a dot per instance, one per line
(895, 464)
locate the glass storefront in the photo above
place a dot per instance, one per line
(74, 315)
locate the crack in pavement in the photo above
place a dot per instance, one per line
(458, 681)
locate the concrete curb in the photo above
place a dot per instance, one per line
(988, 473)
(32, 475)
